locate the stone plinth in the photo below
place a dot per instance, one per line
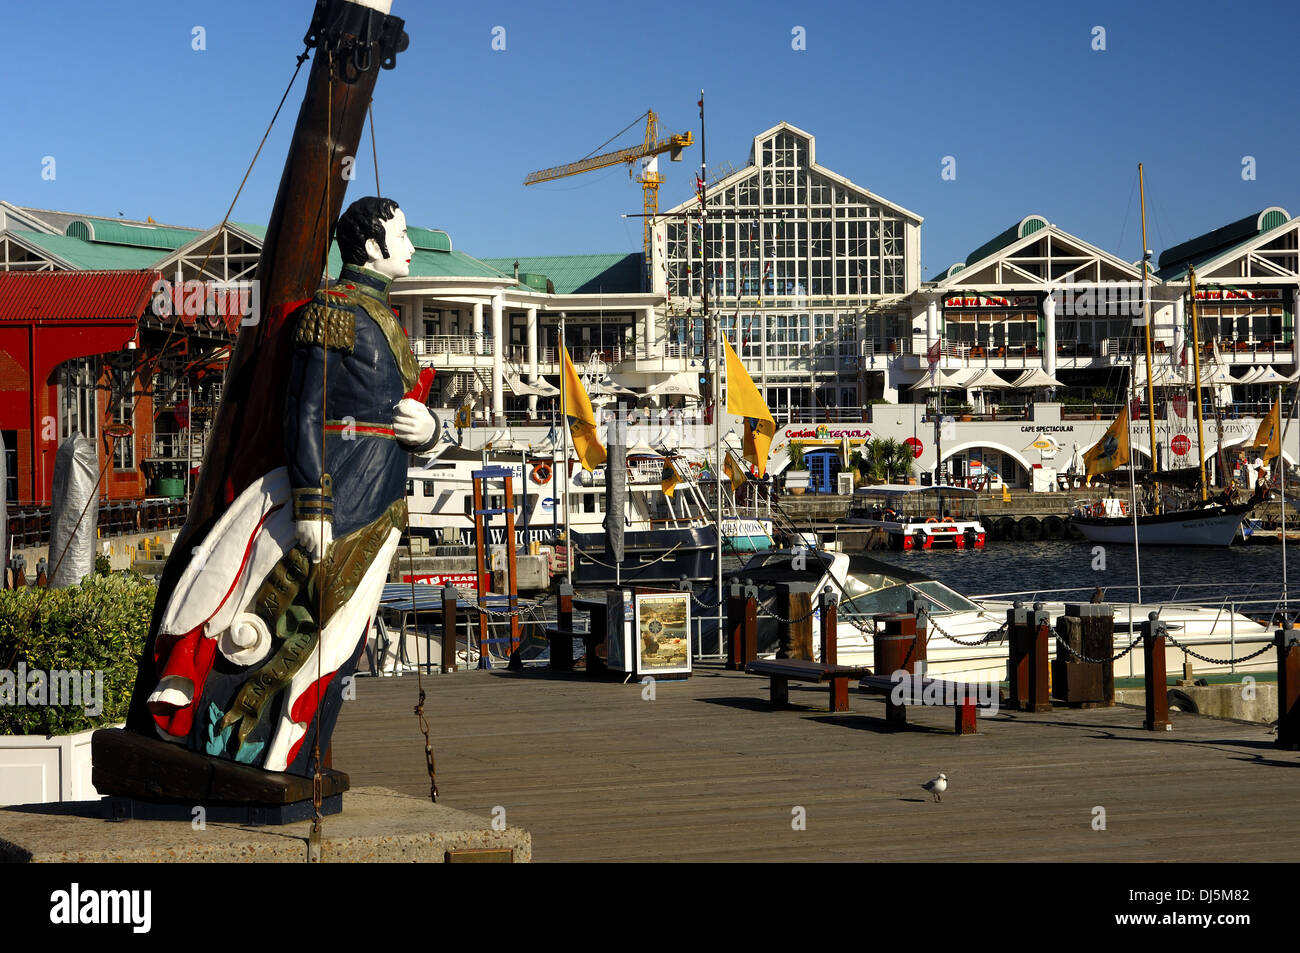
(377, 826)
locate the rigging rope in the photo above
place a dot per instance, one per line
(151, 366)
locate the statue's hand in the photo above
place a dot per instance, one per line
(314, 536)
(412, 422)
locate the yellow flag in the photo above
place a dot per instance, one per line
(581, 418)
(735, 470)
(1111, 450)
(744, 400)
(1269, 436)
(670, 479)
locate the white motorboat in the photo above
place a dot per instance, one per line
(920, 517)
(967, 638)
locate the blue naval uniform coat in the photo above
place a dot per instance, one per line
(351, 365)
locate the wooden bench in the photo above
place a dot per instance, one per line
(781, 671)
(957, 694)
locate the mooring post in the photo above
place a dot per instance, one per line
(1153, 661)
(449, 598)
(829, 648)
(749, 627)
(735, 625)
(562, 644)
(597, 651)
(896, 650)
(1288, 687)
(1039, 685)
(1088, 629)
(794, 620)
(1019, 636)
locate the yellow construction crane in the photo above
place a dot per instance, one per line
(649, 179)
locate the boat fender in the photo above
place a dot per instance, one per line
(1181, 701)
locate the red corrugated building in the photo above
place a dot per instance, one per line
(51, 318)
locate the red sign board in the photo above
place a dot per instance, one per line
(463, 580)
(916, 445)
(1180, 405)
(1180, 444)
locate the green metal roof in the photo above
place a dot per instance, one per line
(106, 231)
(949, 271)
(429, 239)
(94, 256)
(1026, 226)
(434, 264)
(619, 273)
(1173, 262)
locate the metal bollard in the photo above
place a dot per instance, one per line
(829, 629)
(1153, 660)
(1288, 687)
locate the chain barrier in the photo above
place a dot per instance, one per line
(1214, 661)
(767, 610)
(932, 621)
(707, 607)
(508, 611)
(1098, 661)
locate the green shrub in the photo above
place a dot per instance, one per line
(100, 625)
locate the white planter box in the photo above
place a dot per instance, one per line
(35, 769)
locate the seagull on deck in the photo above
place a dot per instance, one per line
(936, 786)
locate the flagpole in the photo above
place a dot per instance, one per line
(564, 421)
(1132, 484)
(714, 373)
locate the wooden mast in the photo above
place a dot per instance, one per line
(1196, 360)
(353, 41)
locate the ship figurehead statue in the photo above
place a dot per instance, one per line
(271, 614)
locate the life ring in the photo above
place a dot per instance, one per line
(696, 467)
(931, 519)
(542, 473)
(1123, 508)
(946, 519)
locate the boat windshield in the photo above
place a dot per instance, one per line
(894, 598)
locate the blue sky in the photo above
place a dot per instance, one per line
(1037, 120)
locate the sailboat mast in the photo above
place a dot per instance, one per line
(1196, 363)
(1146, 321)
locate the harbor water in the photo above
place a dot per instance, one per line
(1201, 574)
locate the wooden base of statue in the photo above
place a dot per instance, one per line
(128, 764)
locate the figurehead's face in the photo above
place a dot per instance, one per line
(397, 263)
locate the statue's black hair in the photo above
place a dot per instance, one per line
(363, 220)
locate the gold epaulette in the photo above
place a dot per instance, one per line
(325, 326)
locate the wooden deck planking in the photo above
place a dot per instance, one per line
(708, 772)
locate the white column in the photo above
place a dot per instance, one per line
(649, 334)
(1049, 333)
(498, 393)
(415, 322)
(931, 323)
(477, 346)
(1180, 331)
(532, 359)
(1295, 325)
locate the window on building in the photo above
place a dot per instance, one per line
(124, 413)
(78, 405)
(11, 465)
